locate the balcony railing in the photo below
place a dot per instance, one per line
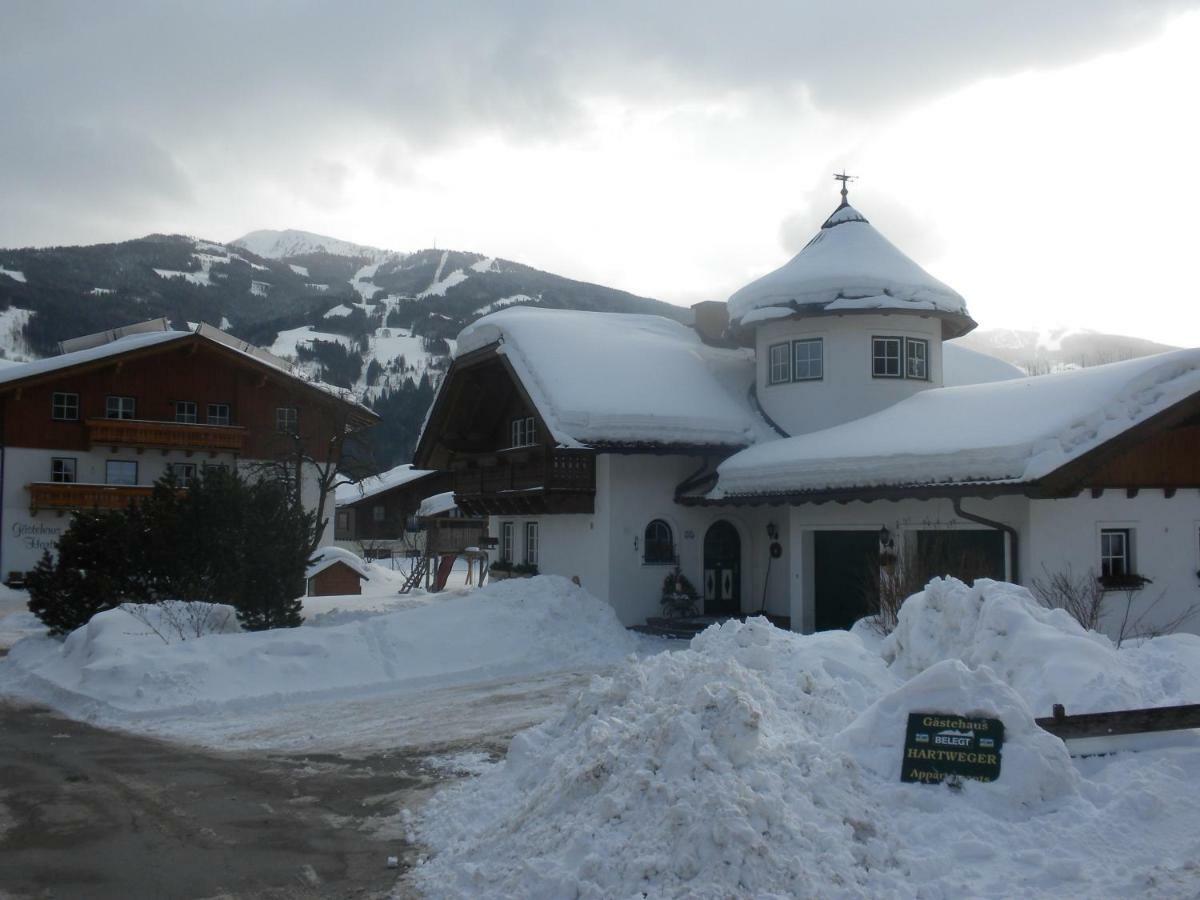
(56, 495)
(549, 471)
(166, 435)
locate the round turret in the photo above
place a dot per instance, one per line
(849, 326)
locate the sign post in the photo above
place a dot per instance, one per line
(941, 745)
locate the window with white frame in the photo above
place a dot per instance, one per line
(524, 431)
(885, 357)
(531, 543)
(506, 541)
(120, 471)
(658, 547)
(780, 366)
(119, 407)
(184, 473)
(287, 420)
(916, 358)
(218, 414)
(64, 407)
(1116, 553)
(62, 469)
(185, 411)
(808, 359)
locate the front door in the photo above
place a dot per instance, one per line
(722, 570)
(845, 577)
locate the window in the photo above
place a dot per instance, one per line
(287, 420)
(916, 359)
(119, 407)
(780, 370)
(506, 541)
(343, 520)
(185, 411)
(378, 512)
(184, 473)
(64, 407)
(120, 471)
(215, 467)
(62, 469)
(659, 543)
(524, 432)
(531, 543)
(1116, 553)
(885, 357)
(808, 359)
(218, 414)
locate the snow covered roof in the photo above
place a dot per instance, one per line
(848, 266)
(1008, 431)
(962, 365)
(143, 340)
(615, 378)
(327, 556)
(377, 484)
(438, 505)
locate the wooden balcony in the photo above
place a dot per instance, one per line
(528, 481)
(144, 434)
(55, 495)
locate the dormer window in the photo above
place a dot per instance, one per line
(524, 432)
(900, 357)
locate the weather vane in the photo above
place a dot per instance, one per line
(843, 178)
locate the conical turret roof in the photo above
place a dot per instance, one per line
(848, 266)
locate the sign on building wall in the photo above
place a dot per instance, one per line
(938, 745)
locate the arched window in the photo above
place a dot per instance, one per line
(659, 546)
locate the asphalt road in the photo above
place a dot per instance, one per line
(88, 813)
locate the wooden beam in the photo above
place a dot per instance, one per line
(1126, 721)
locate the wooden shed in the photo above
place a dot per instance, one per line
(335, 571)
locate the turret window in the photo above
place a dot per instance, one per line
(897, 357)
(802, 360)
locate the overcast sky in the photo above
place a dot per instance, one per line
(1039, 157)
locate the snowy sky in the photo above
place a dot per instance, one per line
(1039, 157)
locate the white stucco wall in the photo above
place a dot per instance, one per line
(847, 390)
(24, 536)
(1166, 548)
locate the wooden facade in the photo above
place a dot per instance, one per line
(471, 433)
(335, 579)
(383, 516)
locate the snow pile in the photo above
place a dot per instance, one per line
(1044, 654)
(761, 763)
(1006, 431)
(509, 628)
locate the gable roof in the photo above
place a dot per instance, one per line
(145, 343)
(600, 379)
(331, 555)
(848, 266)
(1007, 432)
(349, 494)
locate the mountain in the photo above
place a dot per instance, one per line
(290, 242)
(1053, 350)
(374, 320)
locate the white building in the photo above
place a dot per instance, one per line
(811, 431)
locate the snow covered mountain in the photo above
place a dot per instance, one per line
(1056, 349)
(270, 244)
(380, 322)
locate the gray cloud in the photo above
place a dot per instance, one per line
(102, 101)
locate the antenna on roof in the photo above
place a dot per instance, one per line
(844, 178)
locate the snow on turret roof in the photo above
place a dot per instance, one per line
(1007, 431)
(849, 265)
(616, 378)
(377, 484)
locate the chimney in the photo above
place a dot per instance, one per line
(711, 320)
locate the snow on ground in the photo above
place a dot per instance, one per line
(514, 300)
(299, 270)
(483, 265)
(13, 274)
(260, 288)
(440, 286)
(12, 334)
(116, 672)
(761, 763)
(286, 341)
(338, 311)
(16, 621)
(361, 282)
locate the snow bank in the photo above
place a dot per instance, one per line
(509, 628)
(761, 763)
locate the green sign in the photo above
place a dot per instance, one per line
(938, 745)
